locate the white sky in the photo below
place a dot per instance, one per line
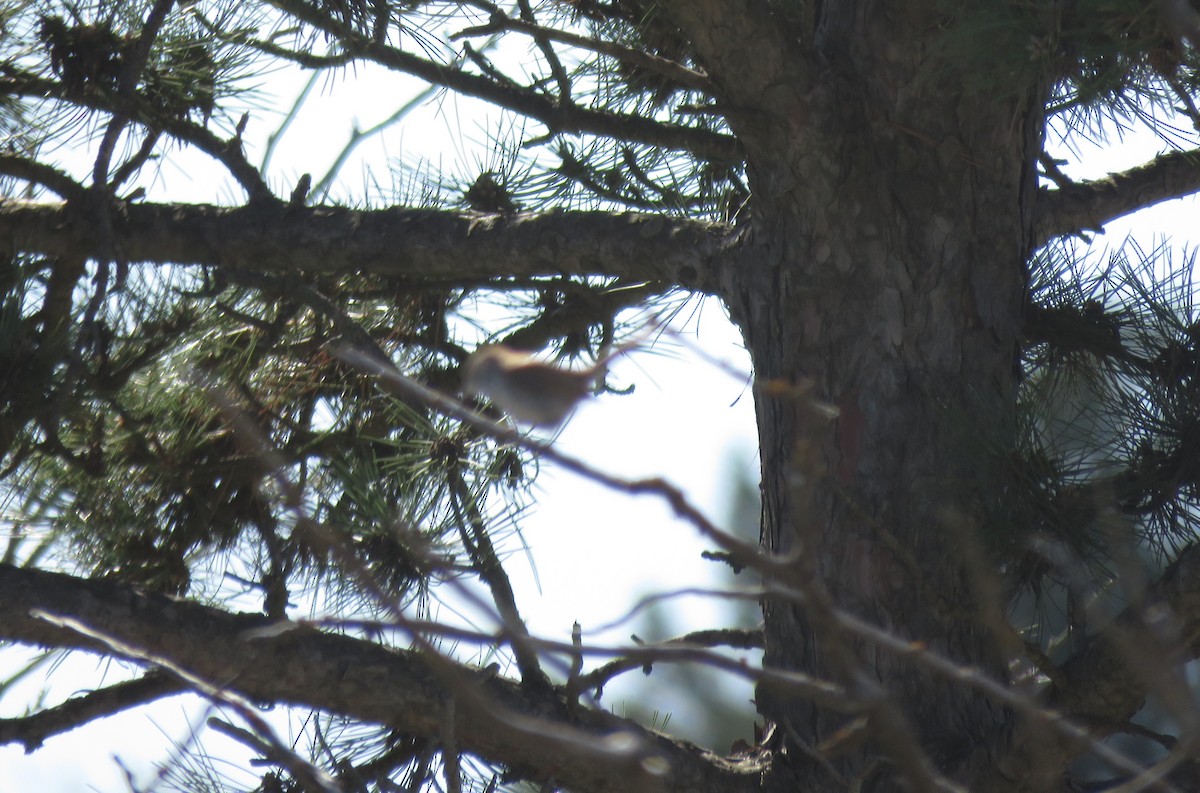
(596, 551)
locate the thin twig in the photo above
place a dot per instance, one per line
(132, 66)
(543, 42)
(301, 769)
(687, 78)
(275, 137)
(491, 572)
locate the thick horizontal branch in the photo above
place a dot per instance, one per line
(1087, 206)
(436, 245)
(494, 718)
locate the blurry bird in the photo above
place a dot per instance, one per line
(528, 390)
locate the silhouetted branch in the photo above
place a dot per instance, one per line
(132, 67)
(1087, 206)
(308, 775)
(474, 534)
(685, 77)
(266, 661)
(726, 637)
(30, 170)
(226, 152)
(32, 730)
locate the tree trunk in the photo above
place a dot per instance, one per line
(886, 271)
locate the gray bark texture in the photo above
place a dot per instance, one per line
(893, 220)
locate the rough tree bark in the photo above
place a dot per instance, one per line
(884, 266)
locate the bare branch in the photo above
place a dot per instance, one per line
(309, 776)
(473, 530)
(357, 136)
(547, 48)
(728, 637)
(1087, 206)
(428, 245)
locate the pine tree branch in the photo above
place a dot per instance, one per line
(452, 247)
(30, 170)
(475, 539)
(132, 67)
(548, 52)
(1087, 206)
(686, 78)
(557, 113)
(583, 308)
(31, 731)
(728, 637)
(248, 655)
(227, 152)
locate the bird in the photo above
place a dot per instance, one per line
(529, 390)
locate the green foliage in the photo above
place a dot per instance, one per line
(175, 422)
(1109, 413)
(1100, 59)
